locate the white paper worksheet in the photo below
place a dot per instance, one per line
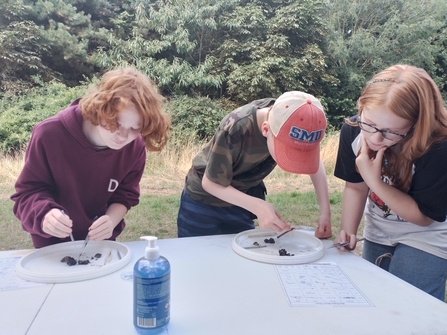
(8, 278)
(319, 284)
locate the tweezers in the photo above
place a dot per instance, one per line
(344, 244)
(83, 247)
(71, 234)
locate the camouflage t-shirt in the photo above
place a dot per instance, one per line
(237, 155)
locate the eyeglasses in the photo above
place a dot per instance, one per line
(387, 134)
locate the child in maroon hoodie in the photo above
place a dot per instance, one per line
(86, 162)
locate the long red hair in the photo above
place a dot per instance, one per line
(410, 93)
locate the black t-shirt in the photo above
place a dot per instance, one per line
(429, 183)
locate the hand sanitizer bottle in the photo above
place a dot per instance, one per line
(151, 289)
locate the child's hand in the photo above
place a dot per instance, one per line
(369, 163)
(101, 229)
(57, 224)
(344, 237)
(324, 228)
(269, 218)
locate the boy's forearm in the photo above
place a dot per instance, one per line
(229, 194)
(319, 180)
(266, 213)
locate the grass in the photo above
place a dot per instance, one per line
(156, 215)
(161, 186)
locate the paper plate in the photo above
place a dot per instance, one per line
(304, 247)
(44, 265)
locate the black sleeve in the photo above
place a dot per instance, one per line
(345, 164)
(429, 184)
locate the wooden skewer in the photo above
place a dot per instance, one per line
(282, 234)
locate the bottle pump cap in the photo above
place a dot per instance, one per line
(152, 252)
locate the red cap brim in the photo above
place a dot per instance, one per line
(297, 161)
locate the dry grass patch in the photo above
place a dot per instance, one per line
(166, 170)
(161, 187)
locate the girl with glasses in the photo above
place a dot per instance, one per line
(393, 158)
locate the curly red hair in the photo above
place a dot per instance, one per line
(119, 88)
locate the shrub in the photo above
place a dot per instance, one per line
(19, 114)
(198, 116)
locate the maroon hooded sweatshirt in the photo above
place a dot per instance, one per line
(64, 170)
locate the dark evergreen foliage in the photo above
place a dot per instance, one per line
(211, 55)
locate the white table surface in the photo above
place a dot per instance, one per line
(215, 291)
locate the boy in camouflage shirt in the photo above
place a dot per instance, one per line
(224, 190)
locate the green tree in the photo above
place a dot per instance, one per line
(20, 48)
(271, 47)
(169, 40)
(51, 38)
(238, 49)
(68, 34)
(366, 36)
(440, 58)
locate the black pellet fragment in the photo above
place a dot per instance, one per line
(97, 256)
(69, 260)
(283, 252)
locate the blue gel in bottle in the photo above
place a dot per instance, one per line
(151, 290)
